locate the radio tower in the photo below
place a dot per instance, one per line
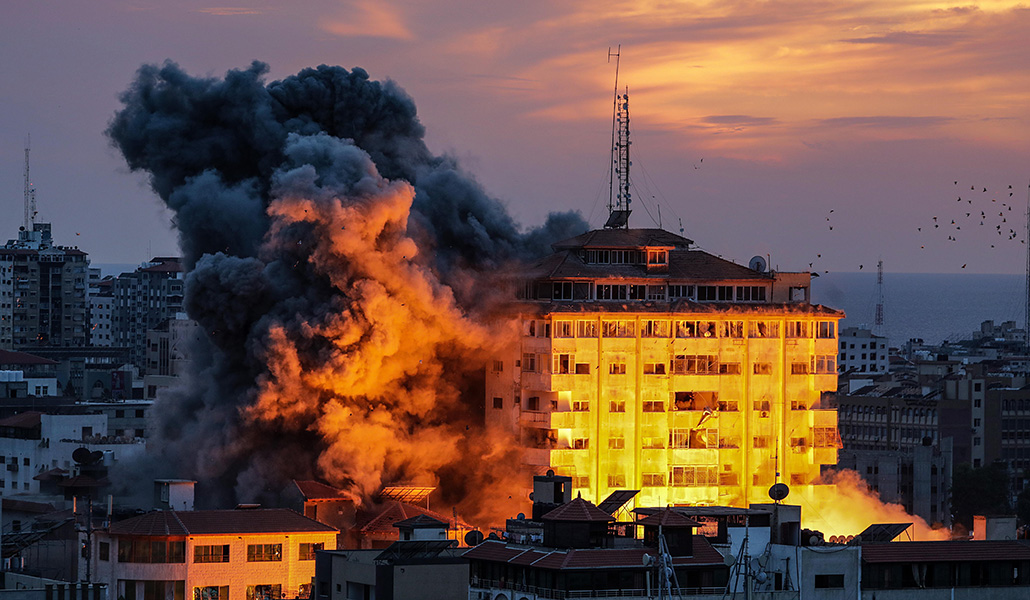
(878, 321)
(30, 192)
(1026, 322)
(618, 192)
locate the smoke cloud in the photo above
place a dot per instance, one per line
(342, 275)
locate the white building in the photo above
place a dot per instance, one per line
(862, 352)
(32, 443)
(242, 554)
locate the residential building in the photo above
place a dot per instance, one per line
(242, 554)
(32, 443)
(42, 292)
(862, 352)
(646, 363)
(143, 299)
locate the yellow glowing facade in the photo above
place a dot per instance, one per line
(692, 379)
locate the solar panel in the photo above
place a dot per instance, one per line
(617, 500)
(883, 532)
(406, 493)
(409, 550)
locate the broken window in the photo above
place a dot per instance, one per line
(654, 329)
(586, 329)
(731, 329)
(622, 329)
(764, 329)
(798, 329)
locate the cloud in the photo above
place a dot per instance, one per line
(886, 121)
(738, 120)
(909, 38)
(230, 11)
(368, 18)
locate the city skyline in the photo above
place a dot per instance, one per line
(750, 122)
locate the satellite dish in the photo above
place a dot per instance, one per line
(646, 560)
(550, 472)
(474, 538)
(95, 457)
(779, 491)
(761, 576)
(757, 263)
(521, 517)
(729, 559)
(493, 536)
(81, 455)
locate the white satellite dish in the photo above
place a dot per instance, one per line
(757, 263)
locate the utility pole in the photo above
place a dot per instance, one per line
(30, 192)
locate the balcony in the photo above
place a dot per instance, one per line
(493, 587)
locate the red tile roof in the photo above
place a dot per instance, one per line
(394, 512)
(668, 518)
(594, 558)
(623, 238)
(218, 522)
(26, 420)
(904, 552)
(579, 510)
(10, 357)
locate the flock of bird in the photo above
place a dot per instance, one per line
(979, 207)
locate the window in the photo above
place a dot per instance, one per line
(211, 554)
(616, 443)
(211, 593)
(621, 329)
(706, 293)
(654, 368)
(498, 366)
(105, 551)
(265, 592)
(581, 443)
(824, 363)
(617, 406)
(750, 293)
(563, 364)
(680, 291)
(264, 552)
(695, 400)
(563, 329)
(657, 257)
(763, 368)
(653, 406)
(825, 329)
(729, 368)
(695, 329)
(616, 480)
(533, 403)
(145, 550)
(825, 437)
(561, 290)
(654, 329)
(529, 362)
(728, 405)
(581, 406)
(586, 329)
(799, 368)
(798, 329)
(582, 368)
(693, 476)
(731, 329)
(638, 292)
(829, 581)
(652, 442)
(654, 480)
(656, 292)
(699, 364)
(611, 292)
(763, 329)
(498, 403)
(617, 369)
(307, 550)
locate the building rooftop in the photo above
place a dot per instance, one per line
(595, 558)
(668, 518)
(218, 522)
(951, 551)
(624, 238)
(314, 490)
(26, 420)
(11, 357)
(695, 265)
(393, 513)
(578, 510)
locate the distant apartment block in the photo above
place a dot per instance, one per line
(42, 292)
(861, 351)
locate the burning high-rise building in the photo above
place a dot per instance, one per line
(646, 363)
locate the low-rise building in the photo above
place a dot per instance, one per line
(242, 554)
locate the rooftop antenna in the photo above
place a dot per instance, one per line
(30, 192)
(878, 320)
(618, 186)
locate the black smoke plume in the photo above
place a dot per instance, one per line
(339, 272)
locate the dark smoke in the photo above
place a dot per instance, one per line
(281, 192)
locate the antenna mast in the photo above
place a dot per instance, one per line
(618, 186)
(30, 192)
(878, 322)
(1026, 322)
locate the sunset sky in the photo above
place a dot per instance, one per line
(872, 110)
